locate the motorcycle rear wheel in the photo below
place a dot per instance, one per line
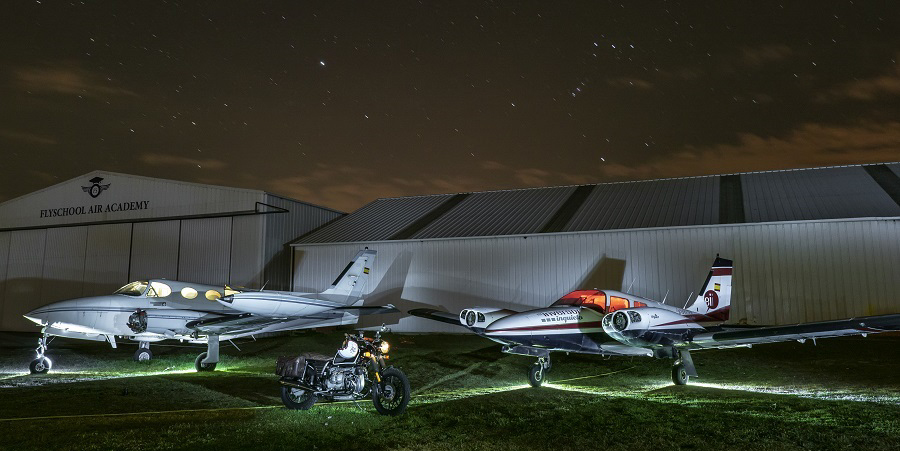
(392, 395)
(297, 398)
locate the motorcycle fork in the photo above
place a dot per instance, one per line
(377, 369)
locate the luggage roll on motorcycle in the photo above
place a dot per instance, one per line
(357, 371)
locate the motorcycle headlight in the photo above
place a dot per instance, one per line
(384, 347)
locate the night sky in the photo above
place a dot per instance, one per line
(339, 103)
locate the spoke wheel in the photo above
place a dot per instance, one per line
(297, 398)
(392, 396)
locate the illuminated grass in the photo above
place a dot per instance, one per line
(466, 396)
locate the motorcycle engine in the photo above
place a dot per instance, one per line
(345, 380)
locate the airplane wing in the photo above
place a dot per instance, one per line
(824, 329)
(244, 324)
(436, 315)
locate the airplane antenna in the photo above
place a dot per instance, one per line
(688, 300)
(665, 297)
(629, 286)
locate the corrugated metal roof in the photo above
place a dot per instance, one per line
(379, 220)
(661, 203)
(895, 167)
(499, 213)
(828, 193)
(791, 195)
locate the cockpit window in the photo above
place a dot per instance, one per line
(133, 289)
(158, 290)
(576, 297)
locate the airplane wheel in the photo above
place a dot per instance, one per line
(200, 366)
(679, 374)
(536, 375)
(143, 355)
(40, 366)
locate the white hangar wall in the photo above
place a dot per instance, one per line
(53, 247)
(785, 272)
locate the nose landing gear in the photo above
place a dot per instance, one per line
(41, 364)
(538, 372)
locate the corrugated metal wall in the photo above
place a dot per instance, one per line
(64, 259)
(154, 250)
(205, 250)
(247, 251)
(25, 264)
(106, 258)
(784, 272)
(281, 229)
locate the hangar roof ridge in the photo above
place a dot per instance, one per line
(620, 182)
(144, 177)
(801, 194)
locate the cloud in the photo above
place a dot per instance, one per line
(27, 138)
(867, 89)
(67, 79)
(536, 177)
(760, 56)
(157, 159)
(809, 145)
(348, 188)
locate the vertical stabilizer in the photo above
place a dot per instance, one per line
(349, 285)
(714, 300)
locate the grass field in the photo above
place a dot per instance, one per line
(841, 394)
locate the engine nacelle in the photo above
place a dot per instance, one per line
(272, 303)
(137, 321)
(648, 326)
(481, 317)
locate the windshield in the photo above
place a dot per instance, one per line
(133, 289)
(580, 296)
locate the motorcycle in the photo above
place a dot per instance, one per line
(357, 371)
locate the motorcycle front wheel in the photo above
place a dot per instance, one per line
(392, 395)
(297, 398)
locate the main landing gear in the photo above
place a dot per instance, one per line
(41, 364)
(143, 353)
(537, 374)
(683, 368)
(207, 361)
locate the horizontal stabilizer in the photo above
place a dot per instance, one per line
(369, 310)
(436, 315)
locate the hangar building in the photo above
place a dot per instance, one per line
(808, 245)
(94, 233)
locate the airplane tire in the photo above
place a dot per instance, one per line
(200, 366)
(679, 374)
(39, 366)
(536, 375)
(296, 399)
(143, 355)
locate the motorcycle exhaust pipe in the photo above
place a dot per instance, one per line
(296, 385)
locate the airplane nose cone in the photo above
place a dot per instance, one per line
(36, 316)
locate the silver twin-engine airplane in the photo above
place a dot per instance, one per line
(612, 323)
(160, 309)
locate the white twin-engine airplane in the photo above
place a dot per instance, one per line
(612, 323)
(154, 310)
